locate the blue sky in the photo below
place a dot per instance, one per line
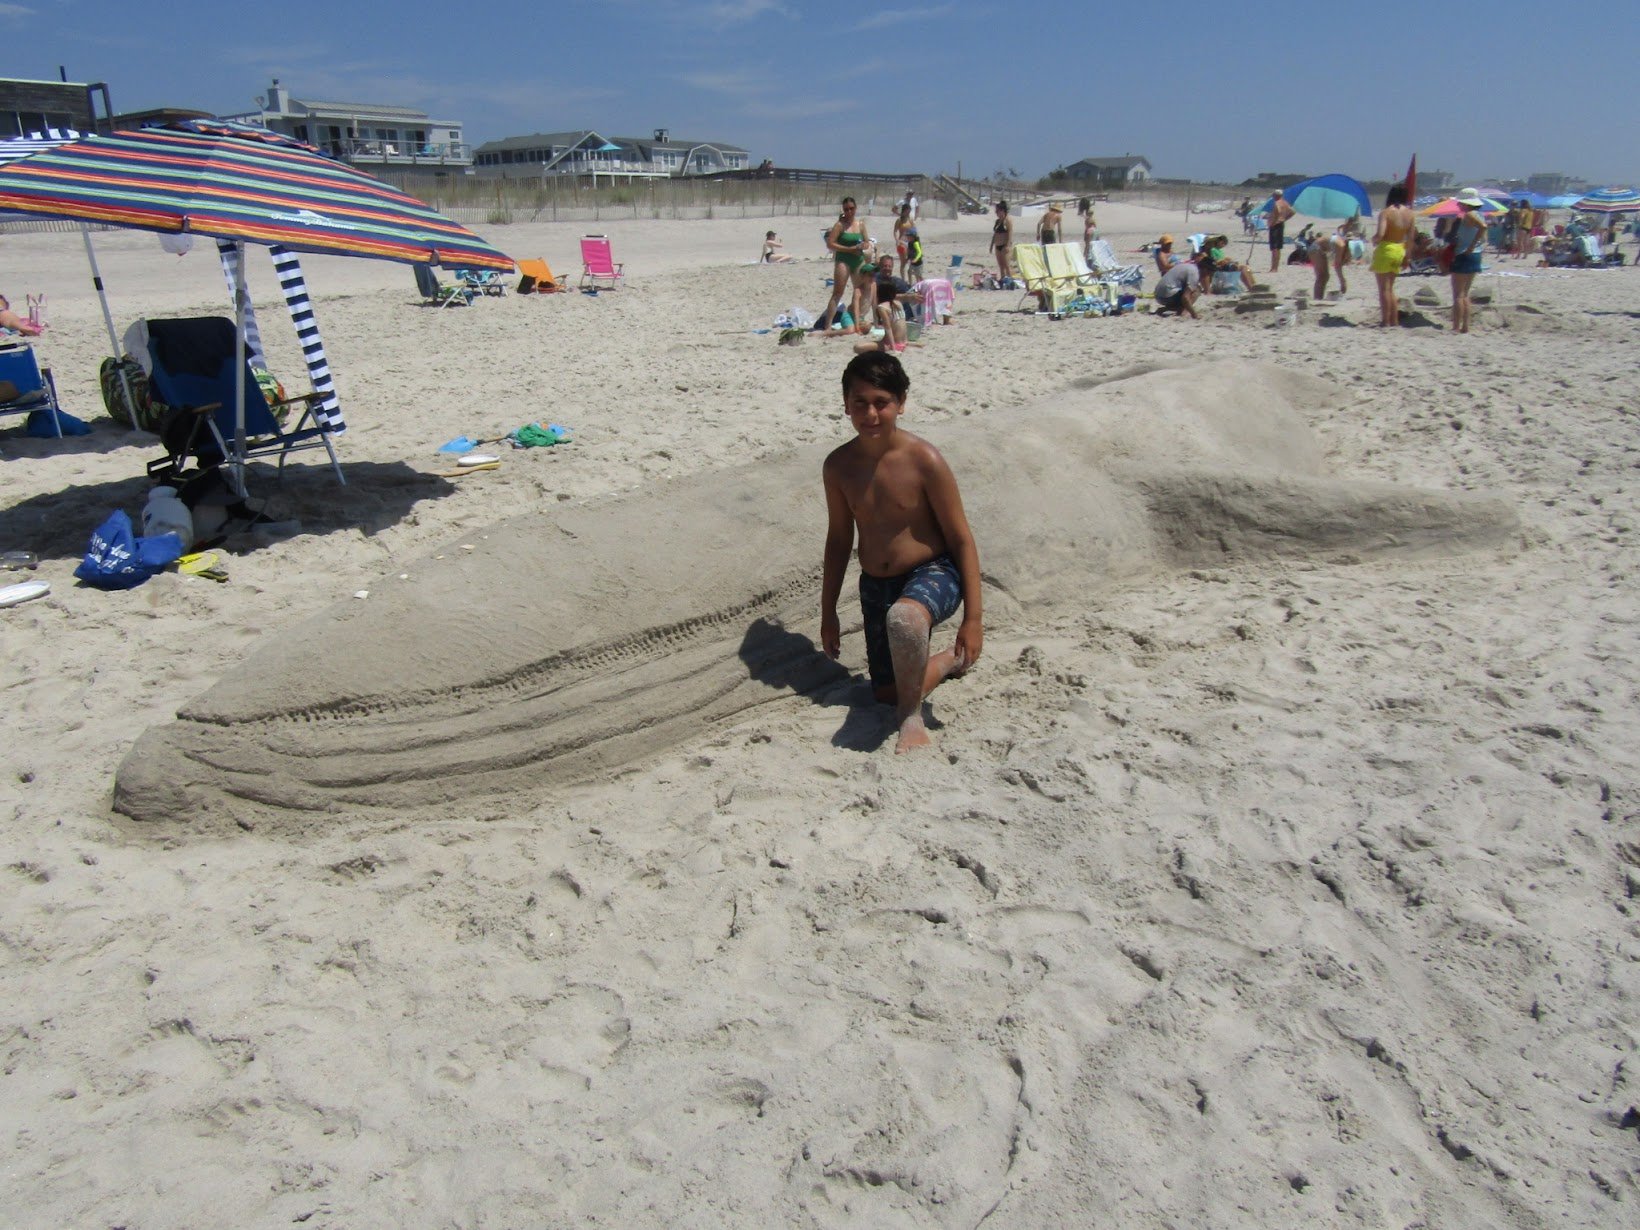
(1211, 90)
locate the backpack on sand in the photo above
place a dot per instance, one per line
(139, 410)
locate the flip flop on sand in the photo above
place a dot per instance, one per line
(202, 564)
(493, 464)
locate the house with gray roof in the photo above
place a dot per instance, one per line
(589, 153)
(374, 137)
(1120, 172)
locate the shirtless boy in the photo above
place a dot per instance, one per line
(918, 559)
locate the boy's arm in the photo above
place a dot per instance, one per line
(839, 542)
(946, 502)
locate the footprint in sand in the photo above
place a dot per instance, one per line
(576, 1035)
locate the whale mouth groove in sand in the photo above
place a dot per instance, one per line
(513, 666)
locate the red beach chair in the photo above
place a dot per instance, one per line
(598, 263)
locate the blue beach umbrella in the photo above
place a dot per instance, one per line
(1327, 196)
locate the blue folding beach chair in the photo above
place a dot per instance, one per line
(194, 369)
(486, 281)
(34, 389)
(442, 294)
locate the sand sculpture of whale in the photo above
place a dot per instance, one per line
(580, 638)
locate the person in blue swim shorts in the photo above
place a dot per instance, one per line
(918, 558)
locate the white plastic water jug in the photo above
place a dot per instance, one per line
(1284, 314)
(166, 514)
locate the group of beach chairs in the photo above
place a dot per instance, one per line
(1062, 280)
(599, 270)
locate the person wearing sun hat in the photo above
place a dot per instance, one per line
(1163, 252)
(1468, 238)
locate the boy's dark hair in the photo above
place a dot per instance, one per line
(879, 370)
(1397, 195)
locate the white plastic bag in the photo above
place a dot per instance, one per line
(166, 514)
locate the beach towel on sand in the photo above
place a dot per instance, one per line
(533, 435)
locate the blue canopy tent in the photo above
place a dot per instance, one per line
(1326, 196)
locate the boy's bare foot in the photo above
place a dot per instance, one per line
(942, 666)
(913, 734)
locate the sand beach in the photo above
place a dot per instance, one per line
(499, 850)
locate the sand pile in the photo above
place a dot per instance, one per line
(574, 641)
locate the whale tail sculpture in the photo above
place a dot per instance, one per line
(571, 642)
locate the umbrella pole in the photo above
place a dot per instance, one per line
(237, 464)
(102, 295)
(108, 322)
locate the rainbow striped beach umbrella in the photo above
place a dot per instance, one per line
(1609, 201)
(237, 188)
(246, 191)
(1449, 208)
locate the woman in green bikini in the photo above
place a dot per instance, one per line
(848, 241)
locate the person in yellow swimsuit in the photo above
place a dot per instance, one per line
(1389, 252)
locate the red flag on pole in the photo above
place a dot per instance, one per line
(1412, 179)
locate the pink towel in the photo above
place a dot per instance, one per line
(938, 299)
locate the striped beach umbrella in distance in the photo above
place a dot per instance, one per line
(1609, 201)
(247, 191)
(1449, 208)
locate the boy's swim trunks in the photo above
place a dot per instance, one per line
(937, 585)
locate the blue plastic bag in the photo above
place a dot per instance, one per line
(117, 559)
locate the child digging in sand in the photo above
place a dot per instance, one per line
(918, 559)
